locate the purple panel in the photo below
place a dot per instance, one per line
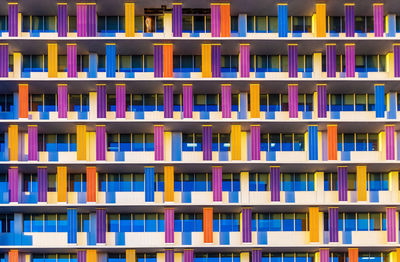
(81, 20)
(101, 101)
(42, 184)
(81, 255)
(246, 225)
(13, 19)
(255, 142)
(158, 142)
(120, 100)
(391, 224)
(101, 225)
(71, 60)
(396, 54)
(62, 99)
(390, 142)
(62, 20)
(13, 188)
(324, 255)
(321, 93)
(293, 101)
(217, 183)
(168, 101)
(169, 255)
(216, 60)
(226, 100)
(169, 225)
(4, 60)
(349, 20)
(292, 59)
(333, 213)
(32, 143)
(245, 60)
(207, 142)
(331, 60)
(378, 20)
(158, 61)
(91, 20)
(188, 255)
(342, 181)
(187, 101)
(275, 181)
(215, 20)
(350, 60)
(256, 255)
(177, 20)
(101, 142)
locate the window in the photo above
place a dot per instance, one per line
(57, 142)
(226, 222)
(77, 183)
(30, 183)
(259, 182)
(45, 223)
(83, 222)
(121, 182)
(188, 222)
(378, 182)
(231, 182)
(282, 142)
(78, 102)
(335, 24)
(221, 142)
(192, 142)
(330, 182)
(6, 103)
(297, 181)
(279, 222)
(358, 142)
(7, 223)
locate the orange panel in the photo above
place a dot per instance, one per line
(314, 224)
(208, 224)
(23, 100)
(332, 142)
(168, 60)
(353, 254)
(225, 20)
(169, 183)
(91, 183)
(13, 256)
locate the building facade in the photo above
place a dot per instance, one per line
(242, 131)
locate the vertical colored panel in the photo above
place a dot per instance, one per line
(208, 224)
(4, 60)
(101, 226)
(168, 101)
(313, 142)
(244, 60)
(275, 181)
(13, 142)
(324, 255)
(81, 142)
(61, 184)
(391, 25)
(187, 101)
(13, 256)
(176, 142)
(62, 99)
(91, 255)
(378, 19)
(293, 100)
(130, 255)
(242, 114)
(71, 60)
(207, 142)
(91, 19)
(332, 142)
(391, 224)
(120, 100)
(226, 100)
(215, 20)
(188, 255)
(100, 142)
(177, 19)
(62, 19)
(342, 182)
(333, 213)
(216, 60)
(321, 19)
(149, 184)
(205, 60)
(314, 224)
(322, 103)
(225, 20)
(91, 182)
(242, 25)
(169, 183)
(380, 100)
(217, 183)
(12, 19)
(52, 57)
(81, 19)
(72, 219)
(23, 100)
(169, 255)
(361, 183)
(292, 60)
(349, 20)
(158, 142)
(92, 65)
(246, 225)
(81, 256)
(110, 60)
(42, 184)
(255, 100)
(236, 148)
(255, 142)
(101, 101)
(158, 60)
(168, 60)
(331, 60)
(396, 55)
(282, 20)
(169, 225)
(32, 142)
(350, 60)
(390, 142)
(353, 254)
(129, 19)
(13, 184)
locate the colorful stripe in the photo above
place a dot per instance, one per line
(255, 142)
(205, 60)
(255, 100)
(349, 20)
(396, 57)
(361, 183)
(236, 148)
(81, 142)
(333, 213)
(129, 19)
(321, 19)
(168, 101)
(293, 100)
(378, 19)
(226, 100)
(101, 101)
(188, 255)
(207, 142)
(62, 19)
(208, 224)
(23, 100)
(91, 182)
(169, 255)
(342, 182)
(216, 60)
(81, 20)
(13, 143)
(292, 60)
(52, 58)
(100, 142)
(350, 60)
(282, 20)
(168, 60)
(177, 19)
(62, 184)
(331, 60)
(158, 142)
(169, 225)
(391, 224)
(275, 182)
(332, 142)
(187, 101)
(42, 184)
(244, 60)
(246, 225)
(390, 142)
(158, 60)
(62, 99)
(120, 100)
(13, 184)
(72, 60)
(33, 143)
(169, 184)
(314, 224)
(101, 226)
(322, 103)
(215, 20)
(324, 255)
(4, 62)
(12, 19)
(217, 183)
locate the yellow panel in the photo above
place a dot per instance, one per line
(235, 142)
(255, 100)
(321, 19)
(62, 184)
(52, 60)
(81, 142)
(206, 60)
(314, 224)
(244, 257)
(129, 19)
(17, 64)
(169, 183)
(390, 64)
(91, 255)
(130, 255)
(91, 146)
(361, 183)
(167, 146)
(243, 145)
(13, 142)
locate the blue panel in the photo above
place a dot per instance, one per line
(4, 195)
(391, 30)
(224, 238)
(260, 74)
(82, 197)
(72, 226)
(313, 142)
(234, 197)
(379, 100)
(16, 105)
(262, 238)
(18, 223)
(362, 34)
(110, 197)
(347, 239)
(91, 236)
(271, 156)
(374, 196)
(242, 114)
(120, 156)
(307, 74)
(334, 34)
(204, 115)
(82, 115)
(92, 65)
(181, 74)
(130, 74)
(289, 197)
(186, 238)
(346, 156)
(25, 74)
(307, 115)
(297, 34)
(139, 115)
(53, 156)
(186, 197)
(120, 238)
(242, 26)
(335, 114)
(223, 156)
(176, 154)
(147, 34)
(149, 184)
(229, 74)
(270, 115)
(110, 61)
(195, 35)
(363, 74)
(326, 237)
(29, 197)
(282, 21)
(392, 112)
